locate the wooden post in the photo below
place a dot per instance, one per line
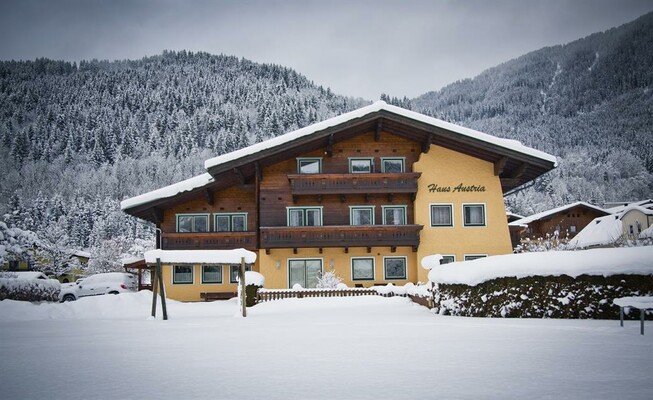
(154, 291)
(161, 289)
(642, 313)
(243, 295)
(621, 316)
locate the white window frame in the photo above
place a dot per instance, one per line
(351, 263)
(385, 277)
(208, 221)
(451, 209)
(231, 268)
(403, 163)
(221, 274)
(300, 159)
(320, 208)
(192, 274)
(370, 159)
(484, 215)
(302, 259)
(476, 256)
(231, 225)
(351, 214)
(404, 207)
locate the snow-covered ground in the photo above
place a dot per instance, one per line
(364, 347)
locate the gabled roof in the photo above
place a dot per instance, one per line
(547, 213)
(601, 231)
(514, 163)
(648, 203)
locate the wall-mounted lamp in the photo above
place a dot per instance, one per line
(332, 264)
(278, 264)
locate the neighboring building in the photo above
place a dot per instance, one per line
(619, 206)
(629, 224)
(563, 222)
(68, 276)
(367, 194)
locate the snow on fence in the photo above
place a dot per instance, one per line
(277, 294)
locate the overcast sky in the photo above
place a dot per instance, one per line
(358, 48)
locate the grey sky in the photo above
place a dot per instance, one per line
(358, 48)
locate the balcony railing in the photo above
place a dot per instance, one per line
(311, 184)
(208, 240)
(340, 236)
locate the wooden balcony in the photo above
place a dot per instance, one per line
(319, 184)
(208, 241)
(340, 236)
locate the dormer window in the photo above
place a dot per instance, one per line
(309, 165)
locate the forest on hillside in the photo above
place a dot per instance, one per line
(76, 139)
(589, 102)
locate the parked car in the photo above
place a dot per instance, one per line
(99, 284)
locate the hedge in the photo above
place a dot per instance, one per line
(29, 289)
(586, 296)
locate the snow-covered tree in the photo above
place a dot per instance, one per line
(15, 244)
(328, 280)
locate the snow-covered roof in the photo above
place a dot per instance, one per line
(362, 112)
(600, 262)
(25, 275)
(168, 191)
(643, 210)
(544, 214)
(80, 253)
(601, 231)
(645, 203)
(200, 256)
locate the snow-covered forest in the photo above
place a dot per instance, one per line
(75, 139)
(589, 102)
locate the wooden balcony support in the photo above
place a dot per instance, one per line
(208, 240)
(340, 236)
(343, 184)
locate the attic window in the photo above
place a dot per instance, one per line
(309, 165)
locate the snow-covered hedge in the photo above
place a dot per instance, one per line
(585, 296)
(29, 289)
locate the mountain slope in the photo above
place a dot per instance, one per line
(589, 102)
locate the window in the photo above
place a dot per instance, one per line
(632, 231)
(13, 265)
(182, 274)
(394, 267)
(236, 222)
(470, 257)
(192, 222)
(362, 269)
(309, 165)
(304, 272)
(360, 165)
(441, 215)
(361, 215)
(233, 272)
(448, 259)
(394, 215)
(304, 216)
(572, 229)
(212, 274)
(393, 165)
(474, 214)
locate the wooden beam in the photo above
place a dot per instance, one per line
(157, 215)
(393, 249)
(377, 133)
(240, 176)
(369, 249)
(426, 144)
(329, 150)
(209, 196)
(499, 165)
(346, 250)
(258, 171)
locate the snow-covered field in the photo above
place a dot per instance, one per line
(337, 348)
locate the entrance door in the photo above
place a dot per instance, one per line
(304, 272)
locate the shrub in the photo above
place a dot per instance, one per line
(587, 296)
(29, 289)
